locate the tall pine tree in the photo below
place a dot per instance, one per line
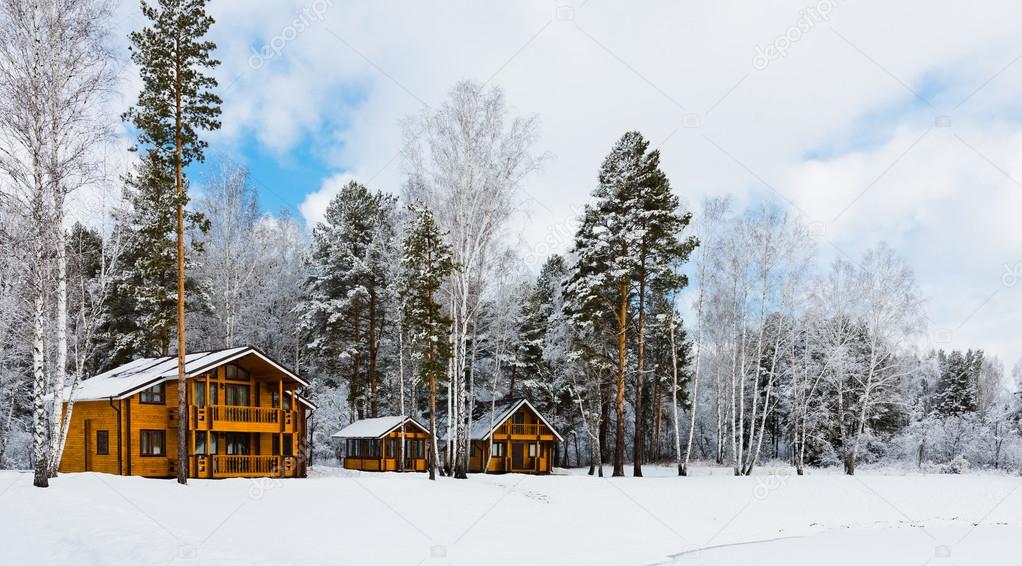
(176, 103)
(628, 239)
(426, 262)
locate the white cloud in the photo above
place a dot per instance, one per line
(313, 207)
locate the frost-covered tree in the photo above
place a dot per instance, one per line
(232, 255)
(466, 161)
(349, 301)
(55, 73)
(957, 390)
(143, 310)
(627, 238)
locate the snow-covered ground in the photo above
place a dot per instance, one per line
(337, 517)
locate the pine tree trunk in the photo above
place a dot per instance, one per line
(373, 349)
(682, 467)
(355, 389)
(619, 400)
(640, 378)
(182, 388)
(401, 385)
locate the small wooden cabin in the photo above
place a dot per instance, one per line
(374, 445)
(245, 418)
(519, 440)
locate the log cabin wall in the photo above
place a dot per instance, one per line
(108, 436)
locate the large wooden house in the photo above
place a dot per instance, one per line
(513, 437)
(374, 445)
(245, 418)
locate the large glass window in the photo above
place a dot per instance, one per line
(288, 445)
(155, 395)
(236, 373)
(200, 443)
(237, 395)
(152, 443)
(237, 443)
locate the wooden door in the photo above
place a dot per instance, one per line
(517, 455)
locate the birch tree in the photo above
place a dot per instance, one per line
(55, 72)
(466, 162)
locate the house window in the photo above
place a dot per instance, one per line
(237, 443)
(498, 450)
(532, 450)
(287, 401)
(288, 445)
(152, 443)
(275, 399)
(237, 395)
(199, 394)
(200, 443)
(236, 373)
(519, 418)
(155, 395)
(103, 442)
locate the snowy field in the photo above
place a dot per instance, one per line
(337, 517)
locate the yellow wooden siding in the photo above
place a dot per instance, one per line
(80, 451)
(137, 416)
(385, 464)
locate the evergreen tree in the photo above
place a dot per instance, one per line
(657, 224)
(349, 288)
(426, 262)
(957, 387)
(627, 240)
(176, 103)
(143, 306)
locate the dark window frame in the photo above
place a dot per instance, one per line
(102, 442)
(160, 390)
(145, 438)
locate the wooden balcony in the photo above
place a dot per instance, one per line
(536, 431)
(243, 419)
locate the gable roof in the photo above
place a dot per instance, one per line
(481, 429)
(377, 427)
(134, 376)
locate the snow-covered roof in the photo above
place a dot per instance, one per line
(481, 429)
(132, 377)
(377, 427)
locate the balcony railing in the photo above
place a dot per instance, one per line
(246, 465)
(516, 429)
(245, 414)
